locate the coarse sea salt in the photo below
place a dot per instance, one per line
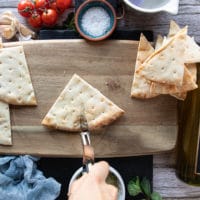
(95, 21)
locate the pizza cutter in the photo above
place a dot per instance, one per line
(88, 151)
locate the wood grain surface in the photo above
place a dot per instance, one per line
(148, 126)
(165, 181)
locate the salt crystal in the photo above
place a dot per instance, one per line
(96, 21)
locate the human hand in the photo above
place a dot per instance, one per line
(93, 185)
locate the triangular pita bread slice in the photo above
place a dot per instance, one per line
(188, 84)
(180, 96)
(189, 79)
(15, 82)
(141, 86)
(192, 53)
(77, 97)
(173, 29)
(159, 42)
(192, 67)
(166, 65)
(5, 128)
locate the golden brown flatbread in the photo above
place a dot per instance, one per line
(15, 82)
(77, 98)
(166, 65)
(5, 127)
(141, 86)
(188, 84)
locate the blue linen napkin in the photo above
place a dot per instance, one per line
(21, 180)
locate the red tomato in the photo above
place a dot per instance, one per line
(40, 5)
(25, 8)
(35, 20)
(58, 10)
(49, 17)
(63, 4)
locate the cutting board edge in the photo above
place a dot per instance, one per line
(61, 41)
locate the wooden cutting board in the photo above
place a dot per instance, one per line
(148, 126)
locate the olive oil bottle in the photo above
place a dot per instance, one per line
(188, 142)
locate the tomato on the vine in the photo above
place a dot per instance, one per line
(25, 8)
(42, 12)
(58, 10)
(63, 4)
(40, 5)
(49, 17)
(35, 20)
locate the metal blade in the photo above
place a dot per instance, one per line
(83, 123)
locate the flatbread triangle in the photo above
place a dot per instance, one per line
(15, 82)
(141, 86)
(5, 127)
(77, 98)
(159, 42)
(166, 64)
(188, 84)
(173, 29)
(192, 68)
(192, 53)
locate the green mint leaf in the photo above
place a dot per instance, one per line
(155, 196)
(69, 22)
(145, 186)
(134, 187)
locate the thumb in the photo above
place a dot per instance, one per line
(100, 170)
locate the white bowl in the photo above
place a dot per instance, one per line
(121, 186)
(153, 6)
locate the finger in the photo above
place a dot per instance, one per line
(76, 184)
(100, 170)
(109, 192)
(113, 191)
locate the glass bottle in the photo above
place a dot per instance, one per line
(188, 142)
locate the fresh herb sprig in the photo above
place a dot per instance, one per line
(69, 22)
(137, 186)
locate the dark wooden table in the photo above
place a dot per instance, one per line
(165, 181)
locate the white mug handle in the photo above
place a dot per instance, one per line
(172, 7)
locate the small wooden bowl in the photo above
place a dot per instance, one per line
(90, 4)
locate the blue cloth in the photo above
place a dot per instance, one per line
(21, 180)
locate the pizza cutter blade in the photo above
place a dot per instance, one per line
(88, 151)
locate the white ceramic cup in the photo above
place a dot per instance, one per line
(153, 6)
(121, 185)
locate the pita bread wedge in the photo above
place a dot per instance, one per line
(78, 94)
(140, 86)
(173, 29)
(188, 84)
(192, 67)
(192, 54)
(180, 96)
(166, 64)
(5, 127)
(159, 42)
(15, 83)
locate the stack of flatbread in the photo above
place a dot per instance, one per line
(80, 98)
(15, 87)
(169, 68)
